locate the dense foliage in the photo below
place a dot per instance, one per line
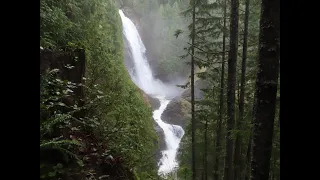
(114, 137)
(119, 118)
(208, 53)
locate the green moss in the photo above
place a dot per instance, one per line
(126, 123)
(185, 107)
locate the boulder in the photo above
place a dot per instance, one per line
(177, 112)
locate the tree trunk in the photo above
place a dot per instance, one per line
(248, 156)
(279, 115)
(205, 158)
(192, 94)
(273, 167)
(237, 152)
(279, 118)
(232, 65)
(249, 149)
(266, 89)
(216, 173)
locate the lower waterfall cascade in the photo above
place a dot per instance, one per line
(141, 75)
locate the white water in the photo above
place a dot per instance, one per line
(142, 77)
(173, 135)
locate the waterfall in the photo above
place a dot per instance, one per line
(141, 75)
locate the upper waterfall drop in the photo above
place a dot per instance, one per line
(142, 68)
(143, 78)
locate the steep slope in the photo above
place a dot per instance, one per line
(124, 124)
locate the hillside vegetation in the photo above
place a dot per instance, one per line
(117, 121)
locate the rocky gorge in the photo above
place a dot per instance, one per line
(178, 111)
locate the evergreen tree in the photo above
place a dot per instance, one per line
(232, 65)
(193, 122)
(266, 89)
(239, 124)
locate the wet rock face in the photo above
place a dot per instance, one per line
(155, 103)
(198, 93)
(134, 17)
(177, 112)
(150, 101)
(177, 132)
(161, 142)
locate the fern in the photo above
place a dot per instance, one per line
(47, 126)
(53, 144)
(62, 146)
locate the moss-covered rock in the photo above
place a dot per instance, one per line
(154, 103)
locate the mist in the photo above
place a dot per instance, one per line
(157, 21)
